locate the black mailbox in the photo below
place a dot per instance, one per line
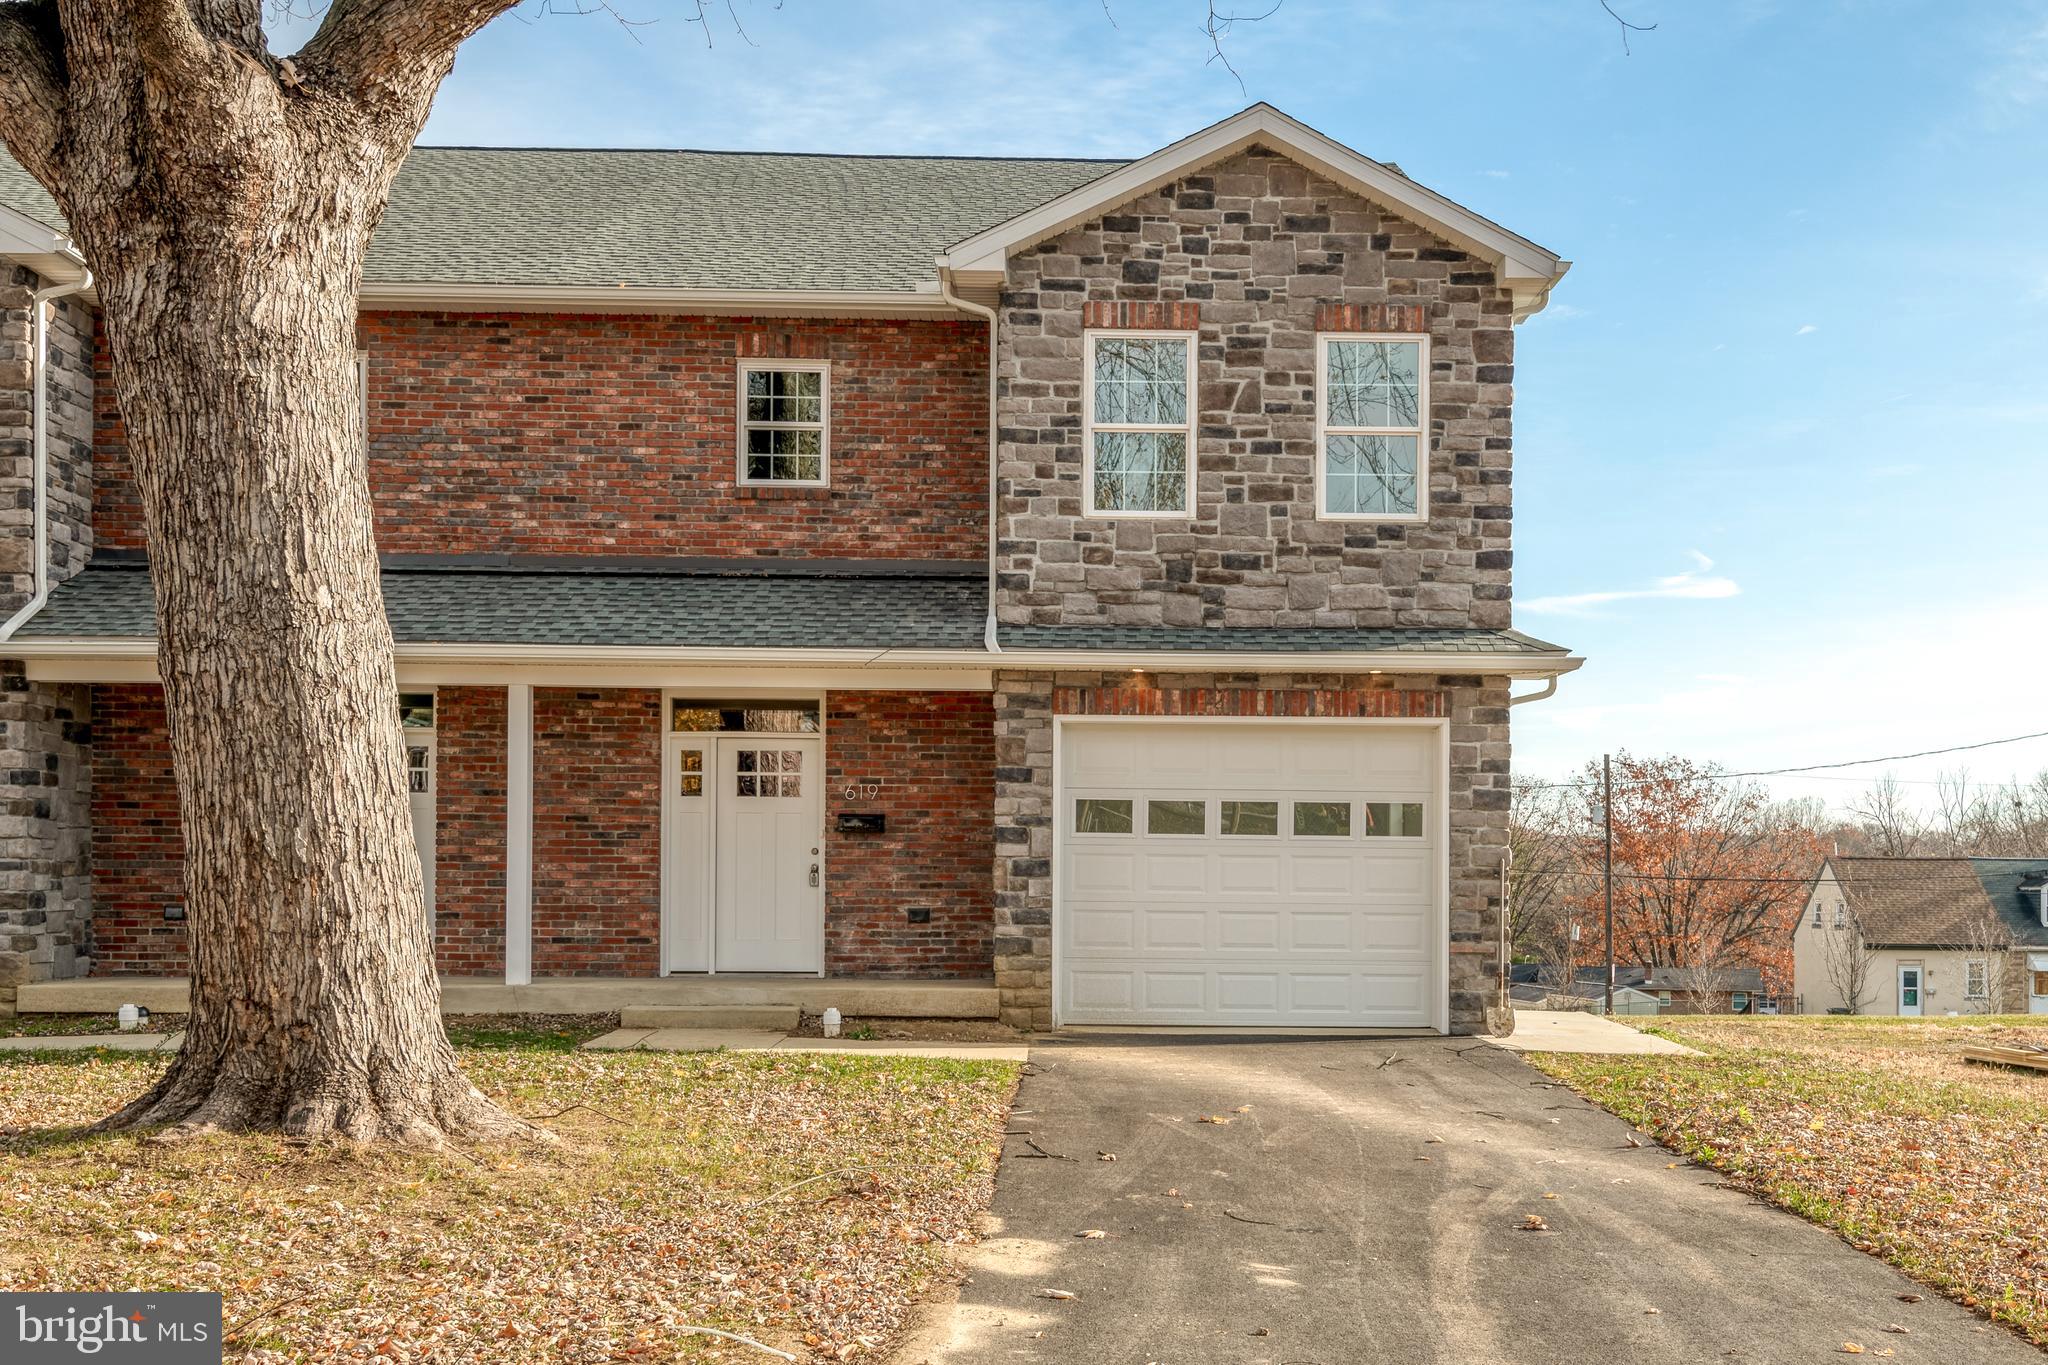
(862, 822)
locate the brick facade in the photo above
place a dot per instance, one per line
(138, 847)
(1026, 703)
(615, 435)
(930, 757)
(1255, 252)
(596, 832)
(469, 831)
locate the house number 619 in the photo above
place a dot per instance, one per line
(863, 791)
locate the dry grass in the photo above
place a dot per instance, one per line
(1876, 1128)
(674, 1199)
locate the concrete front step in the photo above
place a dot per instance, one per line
(779, 1018)
(856, 997)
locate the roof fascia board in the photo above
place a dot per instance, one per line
(1521, 260)
(39, 247)
(781, 303)
(512, 655)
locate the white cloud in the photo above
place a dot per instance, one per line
(1695, 584)
(1807, 330)
(1496, 175)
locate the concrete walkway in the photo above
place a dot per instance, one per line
(1577, 1031)
(82, 1042)
(756, 1040)
(1416, 1201)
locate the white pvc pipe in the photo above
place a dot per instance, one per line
(988, 629)
(39, 445)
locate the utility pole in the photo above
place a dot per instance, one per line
(1607, 865)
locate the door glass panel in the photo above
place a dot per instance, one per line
(1094, 816)
(746, 785)
(1250, 817)
(1176, 817)
(419, 768)
(1393, 819)
(749, 760)
(1322, 819)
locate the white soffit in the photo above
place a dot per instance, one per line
(40, 248)
(1526, 269)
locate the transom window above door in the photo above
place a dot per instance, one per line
(1139, 429)
(1372, 419)
(688, 715)
(784, 422)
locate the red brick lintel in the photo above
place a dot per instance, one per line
(1371, 317)
(1142, 316)
(1351, 702)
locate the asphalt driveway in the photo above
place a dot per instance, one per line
(1367, 1210)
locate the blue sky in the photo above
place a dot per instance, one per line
(1782, 437)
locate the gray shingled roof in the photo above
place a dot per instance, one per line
(495, 606)
(680, 220)
(1257, 640)
(1939, 902)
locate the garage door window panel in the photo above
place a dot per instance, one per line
(1322, 819)
(1393, 819)
(1176, 817)
(1249, 818)
(1095, 815)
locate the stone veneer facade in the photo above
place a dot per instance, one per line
(1026, 703)
(1255, 254)
(45, 730)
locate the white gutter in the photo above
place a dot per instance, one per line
(1156, 661)
(1549, 689)
(988, 629)
(40, 445)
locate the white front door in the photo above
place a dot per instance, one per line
(1909, 990)
(742, 872)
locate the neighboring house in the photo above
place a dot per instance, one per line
(1657, 990)
(1583, 996)
(1916, 936)
(1085, 575)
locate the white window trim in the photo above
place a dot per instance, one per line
(1980, 968)
(1088, 426)
(1419, 432)
(822, 368)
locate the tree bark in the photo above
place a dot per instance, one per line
(224, 200)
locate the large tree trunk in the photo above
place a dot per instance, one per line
(225, 201)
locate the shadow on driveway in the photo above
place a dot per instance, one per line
(1367, 1207)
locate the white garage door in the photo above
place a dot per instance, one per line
(1222, 873)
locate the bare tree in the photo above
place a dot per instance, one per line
(1889, 822)
(1986, 938)
(1846, 959)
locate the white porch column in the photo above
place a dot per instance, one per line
(519, 834)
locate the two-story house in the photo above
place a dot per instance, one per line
(1088, 577)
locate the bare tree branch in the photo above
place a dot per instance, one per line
(1218, 27)
(1626, 27)
(31, 84)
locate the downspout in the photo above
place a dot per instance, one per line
(39, 442)
(1549, 689)
(988, 629)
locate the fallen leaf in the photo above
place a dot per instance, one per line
(1909, 1298)
(1091, 1234)
(1899, 1328)
(1262, 1332)
(1105, 1156)
(1850, 1348)
(1243, 1109)
(1068, 1294)
(1550, 1196)
(1173, 1194)
(1652, 1312)
(1212, 1118)
(1532, 1222)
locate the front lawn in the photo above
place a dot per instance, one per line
(801, 1199)
(1876, 1128)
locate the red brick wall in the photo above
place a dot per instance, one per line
(933, 755)
(549, 434)
(596, 832)
(469, 833)
(138, 850)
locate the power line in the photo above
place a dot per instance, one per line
(1934, 878)
(1811, 767)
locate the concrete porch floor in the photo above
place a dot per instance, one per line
(856, 996)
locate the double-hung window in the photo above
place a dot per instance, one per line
(1977, 979)
(1372, 418)
(1139, 437)
(784, 426)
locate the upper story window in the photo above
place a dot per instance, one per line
(1139, 434)
(784, 422)
(1371, 438)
